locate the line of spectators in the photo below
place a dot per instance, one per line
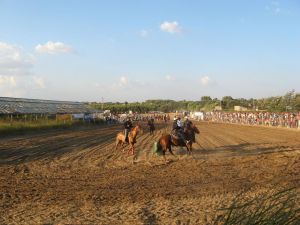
(286, 119)
(143, 117)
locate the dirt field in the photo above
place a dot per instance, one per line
(77, 177)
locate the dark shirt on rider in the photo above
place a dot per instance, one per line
(175, 126)
(150, 122)
(128, 125)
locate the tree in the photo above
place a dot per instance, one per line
(227, 102)
(206, 99)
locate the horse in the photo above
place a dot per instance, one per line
(166, 141)
(120, 139)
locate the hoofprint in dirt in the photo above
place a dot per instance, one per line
(77, 177)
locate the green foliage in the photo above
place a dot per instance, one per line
(206, 99)
(289, 102)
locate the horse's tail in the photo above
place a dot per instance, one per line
(157, 148)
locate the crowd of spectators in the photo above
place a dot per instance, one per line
(120, 118)
(285, 119)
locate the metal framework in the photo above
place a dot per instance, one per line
(35, 106)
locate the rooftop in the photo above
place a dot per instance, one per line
(37, 106)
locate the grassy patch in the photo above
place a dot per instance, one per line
(18, 127)
(268, 208)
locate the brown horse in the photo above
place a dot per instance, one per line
(166, 141)
(120, 139)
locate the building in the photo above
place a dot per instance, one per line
(19, 106)
(240, 108)
(218, 108)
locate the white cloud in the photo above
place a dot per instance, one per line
(205, 80)
(8, 81)
(39, 82)
(53, 48)
(170, 27)
(277, 10)
(144, 33)
(14, 61)
(169, 77)
(16, 76)
(20, 86)
(274, 7)
(122, 82)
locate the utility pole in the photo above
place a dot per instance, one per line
(102, 100)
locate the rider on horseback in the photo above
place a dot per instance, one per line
(127, 127)
(178, 128)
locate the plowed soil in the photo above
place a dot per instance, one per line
(77, 177)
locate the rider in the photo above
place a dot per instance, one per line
(127, 127)
(151, 123)
(178, 128)
(175, 123)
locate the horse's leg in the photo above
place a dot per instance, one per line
(117, 143)
(170, 150)
(129, 149)
(187, 149)
(164, 155)
(123, 145)
(190, 148)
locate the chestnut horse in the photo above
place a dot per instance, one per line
(120, 139)
(166, 141)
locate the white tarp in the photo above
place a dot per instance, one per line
(198, 115)
(78, 116)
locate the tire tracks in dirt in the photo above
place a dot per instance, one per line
(77, 176)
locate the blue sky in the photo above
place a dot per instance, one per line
(137, 50)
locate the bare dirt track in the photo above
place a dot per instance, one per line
(77, 177)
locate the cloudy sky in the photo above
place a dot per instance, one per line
(136, 49)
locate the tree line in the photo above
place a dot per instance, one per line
(289, 102)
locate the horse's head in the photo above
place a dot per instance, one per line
(195, 129)
(138, 128)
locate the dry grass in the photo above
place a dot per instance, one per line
(20, 127)
(274, 207)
